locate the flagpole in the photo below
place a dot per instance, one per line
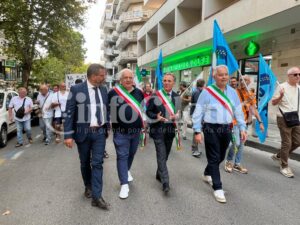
(192, 83)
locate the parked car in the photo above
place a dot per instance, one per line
(6, 126)
(35, 109)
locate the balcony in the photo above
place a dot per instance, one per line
(125, 38)
(116, 52)
(132, 17)
(124, 4)
(109, 65)
(115, 35)
(115, 63)
(109, 39)
(108, 25)
(108, 52)
(154, 4)
(126, 56)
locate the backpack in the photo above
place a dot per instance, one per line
(20, 113)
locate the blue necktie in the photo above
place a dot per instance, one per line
(98, 106)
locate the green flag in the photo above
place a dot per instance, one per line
(138, 74)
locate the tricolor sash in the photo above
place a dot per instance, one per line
(135, 105)
(169, 106)
(225, 101)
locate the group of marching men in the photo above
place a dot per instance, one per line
(218, 119)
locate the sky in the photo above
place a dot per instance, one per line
(91, 32)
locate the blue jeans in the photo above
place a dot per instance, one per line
(20, 126)
(46, 127)
(91, 152)
(240, 146)
(126, 146)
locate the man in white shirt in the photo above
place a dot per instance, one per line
(287, 98)
(22, 122)
(59, 101)
(44, 100)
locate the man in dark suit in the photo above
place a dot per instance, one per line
(162, 126)
(87, 122)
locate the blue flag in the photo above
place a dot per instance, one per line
(159, 71)
(267, 84)
(222, 54)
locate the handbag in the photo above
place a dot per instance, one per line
(20, 113)
(291, 118)
(39, 111)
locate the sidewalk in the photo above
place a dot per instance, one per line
(272, 143)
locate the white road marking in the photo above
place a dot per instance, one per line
(37, 136)
(17, 155)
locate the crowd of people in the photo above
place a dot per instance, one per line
(220, 115)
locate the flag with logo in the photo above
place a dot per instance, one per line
(222, 54)
(138, 77)
(159, 71)
(267, 84)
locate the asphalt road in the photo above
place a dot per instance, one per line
(42, 185)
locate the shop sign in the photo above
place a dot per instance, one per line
(196, 62)
(10, 63)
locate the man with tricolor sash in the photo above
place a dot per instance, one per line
(163, 113)
(127, 123)
(218, 107)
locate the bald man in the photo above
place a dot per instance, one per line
(44, 100)
(23, 121)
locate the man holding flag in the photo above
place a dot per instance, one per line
(127, 123)
(287, 98)
(163, 112)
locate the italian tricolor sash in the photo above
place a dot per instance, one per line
(169, 106)
(221, 97)
(135, 105)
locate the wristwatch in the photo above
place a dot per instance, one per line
(259, 121)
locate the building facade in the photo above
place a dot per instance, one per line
(183, 30)
(120, 24)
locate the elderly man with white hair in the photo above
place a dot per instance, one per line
(217, 108)
(127, 123)
(287, 98)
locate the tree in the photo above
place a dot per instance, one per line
(30, 25)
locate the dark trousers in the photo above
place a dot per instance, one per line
(217, 138)
(91, 152)
(163, 146)
(126, 146)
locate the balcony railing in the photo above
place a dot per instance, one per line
(132, 17)
(125, 38)
(108, 52)
(108, 65)
(126, 56)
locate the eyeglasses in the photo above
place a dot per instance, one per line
(295, 74)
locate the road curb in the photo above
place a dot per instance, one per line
(268, 148)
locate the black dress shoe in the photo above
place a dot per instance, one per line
(88, 192)
(166, 188)
(158, 178)
(100, 203)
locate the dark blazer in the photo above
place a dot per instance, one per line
(159, 129)
(194, 100)
(78, 113)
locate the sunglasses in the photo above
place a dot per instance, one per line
(295, 74)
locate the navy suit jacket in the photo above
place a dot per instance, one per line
(78, 114)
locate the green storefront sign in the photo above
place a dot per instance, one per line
(10, 63)
(196, 62)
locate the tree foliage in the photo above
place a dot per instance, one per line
(33, 25)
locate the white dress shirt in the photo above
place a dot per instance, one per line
(94, 121)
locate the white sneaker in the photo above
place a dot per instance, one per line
(207, 179)
(287, 172)
(124, 191)
(130, 178)
(219, 195)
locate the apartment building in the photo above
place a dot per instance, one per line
(183, 30)
(120, 24)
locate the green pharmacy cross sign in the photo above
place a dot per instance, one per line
(252, 48)
(199, 61)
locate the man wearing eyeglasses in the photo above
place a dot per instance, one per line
(287, 99)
